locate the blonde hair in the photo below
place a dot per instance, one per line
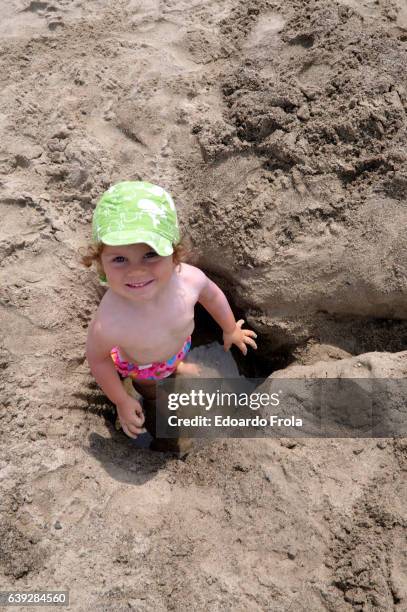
(92, 254)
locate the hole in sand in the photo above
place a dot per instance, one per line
(34, 6)
(257, 363)
(305, 40)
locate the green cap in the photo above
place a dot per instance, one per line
(136, 211)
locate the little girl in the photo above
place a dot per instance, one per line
(142, 328)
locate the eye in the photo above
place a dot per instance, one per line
(151, 254)
(119, 259)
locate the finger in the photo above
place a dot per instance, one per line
(243, 348)
(240, 322)
(127, 432)
(251, 342)
(139, 420)
(134, 429)
(249, 332)
(138, 410)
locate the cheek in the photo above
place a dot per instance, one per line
(111, 270)
(163, 269)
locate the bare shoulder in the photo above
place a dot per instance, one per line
(193, 276)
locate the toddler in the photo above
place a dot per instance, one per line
(143, 325)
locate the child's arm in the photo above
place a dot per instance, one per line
(100, 362)
(215, 302)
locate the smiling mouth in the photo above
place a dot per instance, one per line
(139, 285)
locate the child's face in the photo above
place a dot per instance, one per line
(135, 271)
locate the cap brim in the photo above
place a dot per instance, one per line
(161, 245)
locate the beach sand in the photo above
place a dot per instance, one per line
(280, 128)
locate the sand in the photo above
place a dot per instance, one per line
(280, 128)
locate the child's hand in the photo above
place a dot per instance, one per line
(131, 416)
(240, 337)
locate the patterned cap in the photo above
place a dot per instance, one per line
(136, 211)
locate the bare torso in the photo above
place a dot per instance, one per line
(147, 332)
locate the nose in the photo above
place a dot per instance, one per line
(138, 268)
